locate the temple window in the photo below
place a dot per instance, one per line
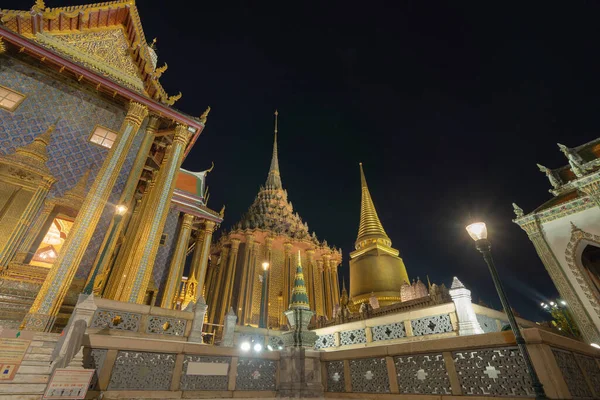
(49, 249)
(163, 239)
(103, 136)
(9, 99)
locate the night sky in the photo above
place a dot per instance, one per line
(449, 105)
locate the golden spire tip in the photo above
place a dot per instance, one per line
(276, 114)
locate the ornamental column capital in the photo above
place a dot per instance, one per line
(269, 242)
(310, 251)
(188, 220)
(136, 113)
(153, 124)
(287, 246)
(250, 238)
(235, 244)
(182, 134)
(209, 226)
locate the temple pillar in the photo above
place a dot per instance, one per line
(105, 253)
(310, 269)
(320, 288)
(216, 302)
(200, 261)
(107, 281)
(269, 255)
(287, 276)
(229, 277)
(251, 281)
(171, 291)
(244, 283)
(327, 285)
(139, 263)
(43, 312)
(335, 281)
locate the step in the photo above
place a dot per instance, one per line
(20, 397)
(26, 388)
(37, 357)
(40, 350)
(35, 369)
(30, 378)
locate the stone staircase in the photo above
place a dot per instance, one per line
(30, 381)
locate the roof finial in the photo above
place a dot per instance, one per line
(39, 6)
(205, 115)
(273, 179)
(370, 227)
(276, 114)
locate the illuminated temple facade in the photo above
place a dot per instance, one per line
(93, 198)
(270, 232)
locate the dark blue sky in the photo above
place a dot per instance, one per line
(449, 105)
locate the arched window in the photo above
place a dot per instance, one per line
(590, 260)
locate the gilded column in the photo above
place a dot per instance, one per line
(105, 253)
(327, 285)
(586, 326)
(170, 292)
(244, 279)
(106, 283)
(140, 261)
(269, 255)
(200, 263)
(310, 253)
(251, 281)
(219, 284)
(335, 281)
(209, 283)
(320, 288)
(230, 278)
(43, 312)
(287, 286)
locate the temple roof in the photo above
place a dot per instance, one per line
(105, 37)
(370, 227)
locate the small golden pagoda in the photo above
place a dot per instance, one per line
(375, 268)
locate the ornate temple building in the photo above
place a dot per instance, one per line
(270, 232)
(375, 268)
(93, 198)
(565, 232)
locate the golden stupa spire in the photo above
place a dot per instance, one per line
(274, 179)
(370, 228)
(34, 155)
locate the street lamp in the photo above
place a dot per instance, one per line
(263, 297)
(478, 232)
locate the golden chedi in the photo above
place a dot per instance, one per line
(375, 268)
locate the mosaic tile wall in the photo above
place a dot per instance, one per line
(70, 152)
(488, 324)
(165, 251)
(353, 337)
(431, 325)
(325, 341)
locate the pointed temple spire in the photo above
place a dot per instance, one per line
(370, 228)
(299, 295)
(34, 155)
(274, 179)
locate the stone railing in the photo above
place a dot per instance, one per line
(129, 367)
(479, 365)
(410, 324)
(128, 319)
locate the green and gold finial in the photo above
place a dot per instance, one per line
(370, 228)
(299, 295)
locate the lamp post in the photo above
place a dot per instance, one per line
(560, 305)
(120, 210)
(478, 232)
(263, 297)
